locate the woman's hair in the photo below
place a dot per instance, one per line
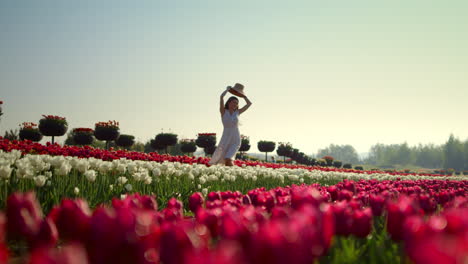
(226, 105)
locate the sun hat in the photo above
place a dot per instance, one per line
(238, 90)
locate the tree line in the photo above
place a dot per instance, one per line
(453, 154)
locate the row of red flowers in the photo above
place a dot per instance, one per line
(111, 123)
(87, 152)
(206, 134)
(287, 224)
(53, 117)
(28, 125)
(83, 130)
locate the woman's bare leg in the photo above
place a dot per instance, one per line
(228, 162)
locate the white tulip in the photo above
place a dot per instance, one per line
(40, 180)
(128, 187)
(5, 172)
(156, 172)
(76, 191)
(90, 175)
(121, 168)
(122, 180)
(148, 180)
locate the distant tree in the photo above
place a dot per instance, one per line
(188, 146)
(465, 150)
(148, 146)
(345, 153)
(125, 141)
(284, 150)
(138, 146)
(454, 156)
(404, 155)
(428, 156)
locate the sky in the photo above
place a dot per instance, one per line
(317, 72)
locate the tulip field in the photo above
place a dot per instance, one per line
(68, 204)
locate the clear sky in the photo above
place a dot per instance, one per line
(318, 72)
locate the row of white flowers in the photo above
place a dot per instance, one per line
(42, 167)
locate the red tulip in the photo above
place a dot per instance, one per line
(69, 254)
(377, 204)
(362, 223)
(73, 219)
(47, 235)
(397, 213)
(212, 196)
(4, 253)
(343, 218)
(196, 201)
(24, 216)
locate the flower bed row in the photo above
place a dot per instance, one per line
(365, 221)
(28, 147)
(99, 181)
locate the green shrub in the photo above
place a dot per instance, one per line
(188, 146)
(164, 140)
(30, 134)
(337, 164)
(125, 141)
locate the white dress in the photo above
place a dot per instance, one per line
(230, 140)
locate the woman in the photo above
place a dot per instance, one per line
(230, 141)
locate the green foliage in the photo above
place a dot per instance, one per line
(82, 138)
(204, 141)
(11, 134)
(209, 150)
(125, 141)
(347, 166)
(453, 154)
(346, 153)
(188, 146)
(164, 140)
(266, 146)
(337, 164)
(284, 150)
(245, 144)
(322, 162)
(32, 134)
(358, 168)
(106, 133)
(138, 146)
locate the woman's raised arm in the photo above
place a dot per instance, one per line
(242, 110)
(221, 101)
